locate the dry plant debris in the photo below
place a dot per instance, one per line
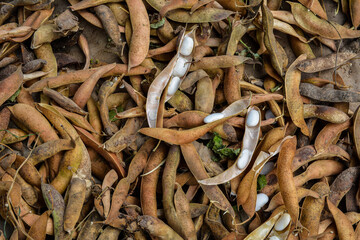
(202, 120)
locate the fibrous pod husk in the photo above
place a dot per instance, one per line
(328, 135)
(232, 89)
(110, 25)
(277, 199)
(137, 165)
(177, 4)
(113, 159)
(38, 229)
(149, 181)
(220, 61)
(109, 233)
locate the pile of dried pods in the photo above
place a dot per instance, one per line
(215, 120)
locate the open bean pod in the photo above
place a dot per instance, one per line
(251, 137)
(171, 77)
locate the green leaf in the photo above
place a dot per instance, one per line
(220, 150)
(158, 24)
(274, 89)
(15, 95)
(113, 112)
(261, 182)
(229, 153)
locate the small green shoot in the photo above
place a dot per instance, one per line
(220, 150)
(249, 52)
(15, 95)
(261, 182)
(113, 112)
(158, 24)
(274, 89)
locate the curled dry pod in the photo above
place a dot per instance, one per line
(177, 4)
(173, 74)
(310, 23)
(10, 85)
(311, 210)
(269, 40)
(277, 199)
(196, 166)
(354, 6)
(343, 224)
(157, 228)
(247, 196)
(355, 131)
(331, 60)
(76, 198)
(326, 62)
(251, 137)
(49, 149)
(203, 15)
(325, 113)
(343, 183)
(140, 38)
(63, 101)
(55, 202)
(293, 98)
(286, 181)
(328, 94)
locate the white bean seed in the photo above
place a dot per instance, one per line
(261, 200)
(252, 118)
(187, 46)
(282, 222)
(213, 117)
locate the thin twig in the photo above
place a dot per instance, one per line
(11, 187)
